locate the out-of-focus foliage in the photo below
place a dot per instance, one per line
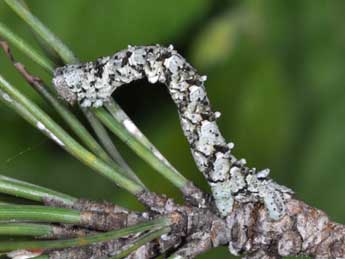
(275, 71)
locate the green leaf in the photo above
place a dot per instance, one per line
(15, 213)
(87, 240)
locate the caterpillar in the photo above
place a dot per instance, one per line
(91, 84)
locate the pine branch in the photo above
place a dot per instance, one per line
(258, 218)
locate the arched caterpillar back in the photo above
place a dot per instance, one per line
(92, 83)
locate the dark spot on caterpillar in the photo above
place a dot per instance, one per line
(99, 67)
(87, 69)
(59, 71)
(187, 68)
(205, 116)
(126, 58)
(222, 149)
(111, 78)
(167, 76)
(205, 102)
(194, 81)
(180, 107)
(164, 56)
(93, 83)
(215, 181)
(191, 81)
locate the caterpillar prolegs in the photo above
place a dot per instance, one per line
(92, 83)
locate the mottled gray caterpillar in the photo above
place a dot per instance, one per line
(92, 84)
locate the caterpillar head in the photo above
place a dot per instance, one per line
(67, 83)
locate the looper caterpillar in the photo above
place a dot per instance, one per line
(92, 83)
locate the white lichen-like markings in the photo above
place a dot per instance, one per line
(92, 83)
(23, 254)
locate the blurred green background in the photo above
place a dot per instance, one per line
(275, 71)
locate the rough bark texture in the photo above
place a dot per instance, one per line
(249, 231)
(189, 225)
(302, 231)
